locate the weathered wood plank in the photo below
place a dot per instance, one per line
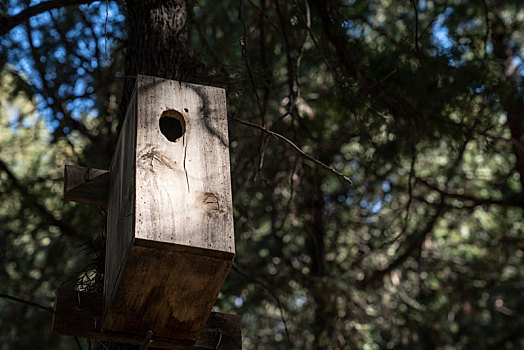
(121, 209)
(79, 314)
(169, 289)
(86, 185)
(183, 192)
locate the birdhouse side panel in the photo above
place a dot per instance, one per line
(120, 223)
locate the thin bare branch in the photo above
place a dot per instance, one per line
(289, 59)
(511, 201)
(78, 345)
(235, 268)
(243, 44)
(26, 302)
(415, 242)
(262, 12)
(302, 153)
(6, 24)
(46, 214)
(415, 8)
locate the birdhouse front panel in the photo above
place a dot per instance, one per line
(183, 184)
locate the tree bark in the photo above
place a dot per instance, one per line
(157, 42)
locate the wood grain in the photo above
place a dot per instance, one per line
(169, 290)
(86, 185)
(183, 192)
(79, 313)
(120, 219)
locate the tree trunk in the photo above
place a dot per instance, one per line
(316, 249)
(157, 42)
(510, 97)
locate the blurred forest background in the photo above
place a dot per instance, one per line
(420, 103)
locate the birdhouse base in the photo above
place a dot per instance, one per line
(167, 288)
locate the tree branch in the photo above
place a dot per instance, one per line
(511, 200)
(416, 241)
(302, 153)
(331, 25)
(416, 25)
(46, 215)
(235, 268)
(30, 303)
(57, 105)
(8, 23)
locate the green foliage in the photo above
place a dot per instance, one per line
(40, 234)
(419, 102)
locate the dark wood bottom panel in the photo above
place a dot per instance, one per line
(166, 288)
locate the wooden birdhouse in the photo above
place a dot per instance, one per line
(170, 241)
(170, 237)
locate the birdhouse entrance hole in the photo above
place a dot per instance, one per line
(172, 125)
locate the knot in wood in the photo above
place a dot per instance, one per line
(211, 202)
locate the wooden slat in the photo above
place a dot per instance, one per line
(79, 313)
(222, 331)
(86, 185)
(121, 209)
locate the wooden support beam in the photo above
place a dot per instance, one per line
(79, 314)
(86, 185)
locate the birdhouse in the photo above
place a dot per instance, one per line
(170, 241)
